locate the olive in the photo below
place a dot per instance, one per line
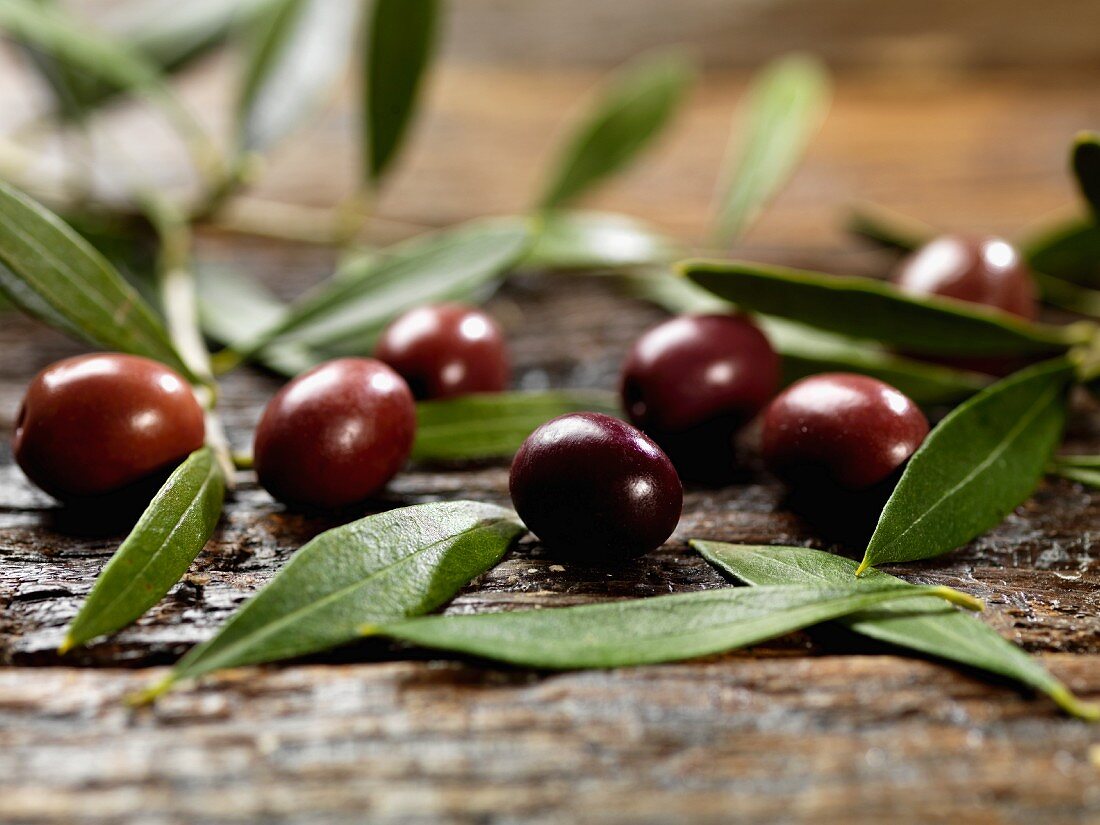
(591, 486)
(446, 350)
(335, 434)
(843, 429)
(95, 424)
(692, 382)
(979, 270)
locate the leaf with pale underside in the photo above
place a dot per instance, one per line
(925, 625)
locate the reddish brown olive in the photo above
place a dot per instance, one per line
(849, 430)
(979, 270)
(692, 382)
(446, 350)
(593, 487)
(94, 424)
(336, 434)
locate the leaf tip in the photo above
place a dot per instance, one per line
(369, 630)
(1067, 701)
(963, 600)
(863, 565)
(150, 694)
(68, 644)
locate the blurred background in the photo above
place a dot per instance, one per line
(931, 98)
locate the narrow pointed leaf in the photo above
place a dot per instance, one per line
(1069, 251)
(400, 42)
(645, 631)
(494, 425)
(51, 272)
(783, 110)
(808, 351)
(888, 228)
(1086, 168)
(381, 568)
(926, 625)
(300, 49)
(166, 539)
(978, 464)
(631, 111)
(1088, 476)
(575, 240)
(866, 308)
(345, 315)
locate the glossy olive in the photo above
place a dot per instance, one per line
(94, 424)
(446, 350)
(336, 434)
(980, 270)
(693, 381)
(593, 487)
(840, 428)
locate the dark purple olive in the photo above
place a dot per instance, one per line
(446, 350)
(336, 434)
(843, 429)
(94, 424)
(692, 382)
(593, 487)
(979, 270)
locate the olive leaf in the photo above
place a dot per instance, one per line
(170, 533)
(169, 35)
(581, 240)
(1084, 469)
(925, 625)
(52, 273)
(234, 309)
(1069, 250)
(647, 631)
(380, 568)
(980, 462)
(494, 425)
(345, 315)
(1086, 167)
(631, 111)
(48, 30)
(400, 42)
(808, 351)
(867, 308)
(784, 108)
(888, 228)
(299, 49)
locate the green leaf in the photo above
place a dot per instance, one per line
(234, 309)
(494, 425)
(866, 308)
(52, 273)
(166, 539)
(808, 351)
(400, 42)
(379, 569)
(783, 110)
(1082, 475)
(1086, 167)
(975, 467)
(888, 228)
(925, 625)
(646, 631)
(1069, 250)
(345, 315)
(574, 240)
(300, 49)
(632, 110)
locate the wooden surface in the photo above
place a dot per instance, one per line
(808, 728)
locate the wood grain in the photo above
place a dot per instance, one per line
(814, 727)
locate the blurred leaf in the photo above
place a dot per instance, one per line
(234, 309)
(52, 273)
(576, 240)
(808, 351)
(1069, 250)
(299, 50)
(345, 315)
(632, 110)
(1086, 167)
(866, 308)
(983, 460)
(783, 110)
(888, 228)
(494, 425)
(399, 48)
(169, 535)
